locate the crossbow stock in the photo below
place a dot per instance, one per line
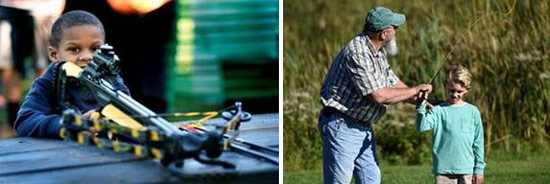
(141, 131)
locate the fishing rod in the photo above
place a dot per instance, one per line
(461, 37)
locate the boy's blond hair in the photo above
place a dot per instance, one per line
(459, 75)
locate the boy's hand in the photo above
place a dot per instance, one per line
(429, 105)
(87, 114)
(92, 130)
(422, 93)
(421, 97)
(477, 179)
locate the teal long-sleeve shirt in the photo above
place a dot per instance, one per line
(457, 145)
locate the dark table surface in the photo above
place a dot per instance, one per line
(32, 160)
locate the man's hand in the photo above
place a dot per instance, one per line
(424, 88)
(477, 179)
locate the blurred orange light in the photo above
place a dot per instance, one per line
(139, 7)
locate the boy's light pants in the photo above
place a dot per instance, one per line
(348, 148)
(453, 179)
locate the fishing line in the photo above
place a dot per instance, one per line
(470, 27)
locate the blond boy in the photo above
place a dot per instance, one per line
(457, 146)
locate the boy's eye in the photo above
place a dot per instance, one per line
(73, 49)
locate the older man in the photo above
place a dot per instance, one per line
(355, 93)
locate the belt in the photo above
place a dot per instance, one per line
(330, 110)
(327, 110)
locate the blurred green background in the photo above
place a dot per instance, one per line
(504, 44)
(225, 51)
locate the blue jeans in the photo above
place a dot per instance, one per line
(348, 147)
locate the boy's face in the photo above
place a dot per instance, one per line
(456, 92)
(77, 45)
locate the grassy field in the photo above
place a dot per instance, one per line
(504, 44)
(518, 168)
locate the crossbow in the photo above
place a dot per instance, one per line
(139, 130)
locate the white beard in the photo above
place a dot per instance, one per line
(391, 47)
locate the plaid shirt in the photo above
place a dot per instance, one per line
(355, 73)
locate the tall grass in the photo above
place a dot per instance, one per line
(504, 44)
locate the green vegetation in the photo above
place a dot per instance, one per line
(504, 44)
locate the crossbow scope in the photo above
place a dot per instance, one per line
(105, 62)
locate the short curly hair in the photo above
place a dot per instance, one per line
(459, 75)
(70, 19)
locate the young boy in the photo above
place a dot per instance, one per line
(457, 133)
(74, 38)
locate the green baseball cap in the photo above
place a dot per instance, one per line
(381, 18)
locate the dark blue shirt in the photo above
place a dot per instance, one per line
(38, 116)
